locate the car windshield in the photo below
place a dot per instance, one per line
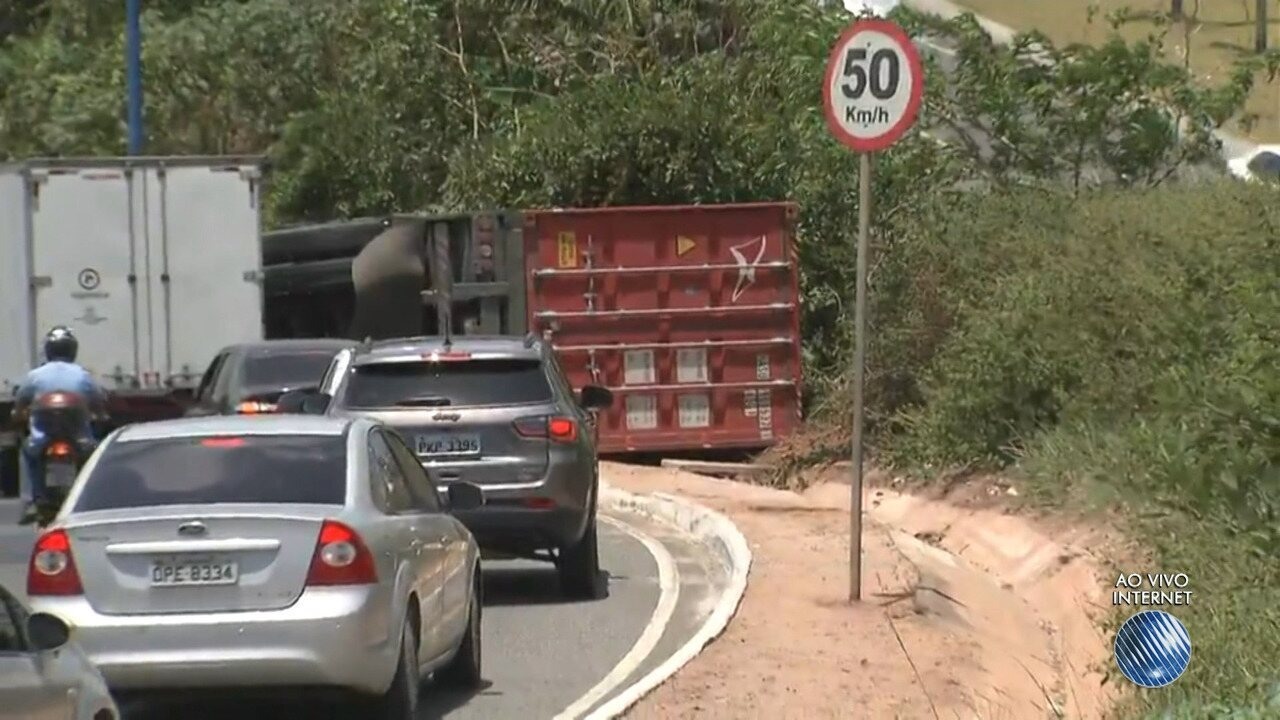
(466, 383)
(309, 469)
(281, 369)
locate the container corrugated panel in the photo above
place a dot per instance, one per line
(689, 314)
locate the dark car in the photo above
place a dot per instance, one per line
(496, 412)
(250, 377)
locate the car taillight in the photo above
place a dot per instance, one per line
(59, 449)
(559, 429)
(562, 429)
(53, 570)
(341, 558)
(254, 407)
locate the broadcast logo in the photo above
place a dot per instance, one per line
(1153, 648)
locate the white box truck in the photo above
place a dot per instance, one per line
(154, 263)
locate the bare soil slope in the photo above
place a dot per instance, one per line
(967, 612)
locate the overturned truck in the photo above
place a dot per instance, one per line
(689, 314)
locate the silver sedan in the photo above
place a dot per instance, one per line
(276, 553)
(43, 674)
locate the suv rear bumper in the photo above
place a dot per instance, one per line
(521, 517)
(509, 527)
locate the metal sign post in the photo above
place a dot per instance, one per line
(871, 94)
(133, 74)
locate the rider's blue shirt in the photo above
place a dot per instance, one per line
(58, 376)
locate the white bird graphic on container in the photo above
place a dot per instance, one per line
(746, 268)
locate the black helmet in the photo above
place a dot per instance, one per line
(60, 344)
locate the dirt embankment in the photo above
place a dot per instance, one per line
(967, 612)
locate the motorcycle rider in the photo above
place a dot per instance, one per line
(59, 373)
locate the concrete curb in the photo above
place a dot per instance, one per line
(724, 540)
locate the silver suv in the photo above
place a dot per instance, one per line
(496, 412)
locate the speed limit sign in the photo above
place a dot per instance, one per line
(870, 96)
(873, 85)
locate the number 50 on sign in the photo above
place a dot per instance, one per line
(873, 85)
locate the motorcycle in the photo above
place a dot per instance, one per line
(62, 416)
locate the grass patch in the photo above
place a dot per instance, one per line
(1234, 621)
(1220, 34)
(1119, 351)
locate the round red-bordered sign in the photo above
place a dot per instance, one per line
(873, 86)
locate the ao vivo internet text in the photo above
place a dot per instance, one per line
(1160, 589)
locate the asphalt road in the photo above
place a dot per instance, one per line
(542, 653)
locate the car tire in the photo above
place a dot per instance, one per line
(579, 566)
(465, 669)
(400, 701)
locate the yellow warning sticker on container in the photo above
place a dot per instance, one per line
(568, 250)
(684, 245)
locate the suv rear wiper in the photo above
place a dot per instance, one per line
(425, 401)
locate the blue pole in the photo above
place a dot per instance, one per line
(133, 73)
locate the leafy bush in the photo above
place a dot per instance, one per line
(373, 106)
(1120, 349)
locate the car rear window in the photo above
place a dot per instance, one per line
(286, 369)
(447, 384)
(206, 470)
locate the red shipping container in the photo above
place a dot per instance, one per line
(690, 314)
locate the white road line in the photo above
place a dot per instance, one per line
(704, 524)
(669, 594)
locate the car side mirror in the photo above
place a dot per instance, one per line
(303, 401)
(317, 404)
(595, 397)
(465, 496)
(47, 632)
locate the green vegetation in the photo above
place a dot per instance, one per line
(1208, 39)
(370, 106)
(1122, 348)
(1049, 297)
(1115, 351)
